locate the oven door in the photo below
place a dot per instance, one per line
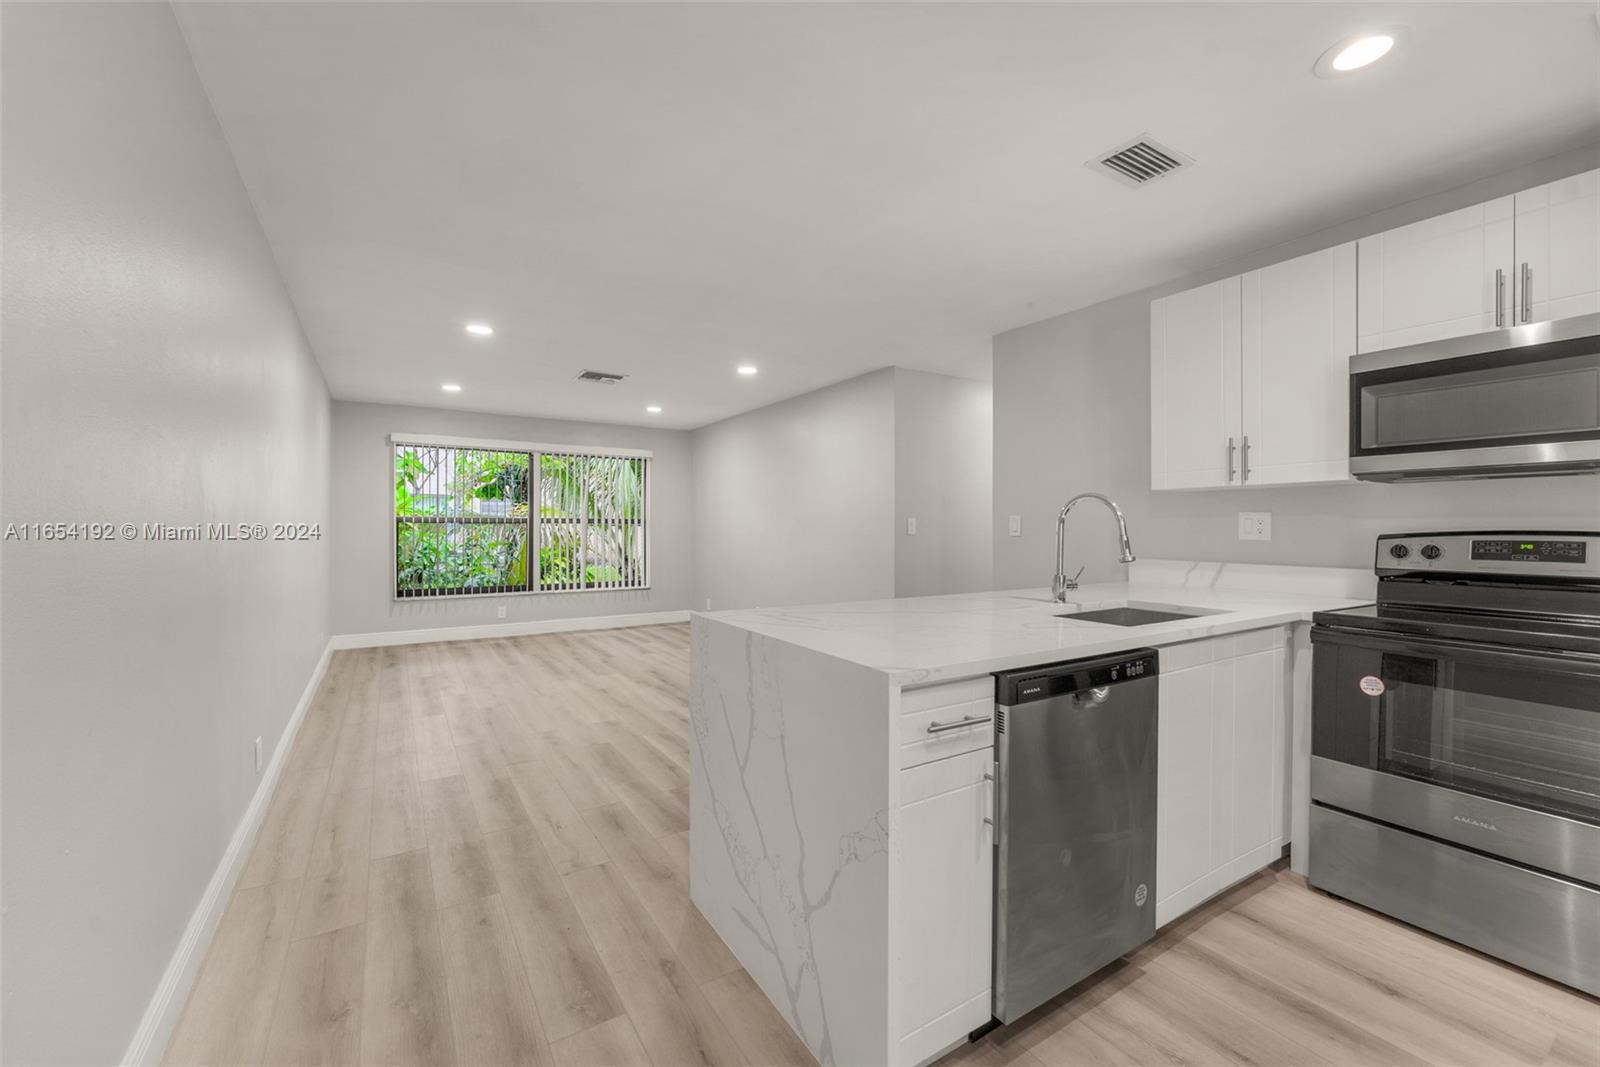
(1483, 746)
(1519, 401)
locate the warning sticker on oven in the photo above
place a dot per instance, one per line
(1372, 685)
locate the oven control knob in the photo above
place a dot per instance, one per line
(1399, 551)
(1431, 551)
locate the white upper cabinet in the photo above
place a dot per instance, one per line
(1446, 276)
(1194, 388)
(1249, 376)
(1557, 265)
(1298, 334)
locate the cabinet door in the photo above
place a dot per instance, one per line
(1558, 250)
(1298, 334)
(1194, 387)
(1184, 778)
(1222, 771)
(1259, 755)
(945, 902)
(1436, 278)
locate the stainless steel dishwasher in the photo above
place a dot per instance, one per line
(1075, 820)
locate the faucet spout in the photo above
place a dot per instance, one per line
(1061, 584)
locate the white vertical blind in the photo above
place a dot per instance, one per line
(497, 520)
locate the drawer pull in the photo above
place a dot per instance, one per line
(965, 720)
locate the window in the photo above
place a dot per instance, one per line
(466, 521)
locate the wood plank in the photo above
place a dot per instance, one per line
(661, 812)
(456, 854)
(317, 1019)
(397, 821)
(230, 1008)
(405, 1006)
(488, 783)
(671, 1014)
(664, 893)
(763, 1035)
(611, 1044)
(436, 751)
(283, 844)
(565, 836)
(1552, 1007)
(336, 878)
(569, 985)
(1306, 1021)
(1500, 1031)
(490, 1004)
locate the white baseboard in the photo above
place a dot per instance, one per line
(506, 629)
(161, 1016)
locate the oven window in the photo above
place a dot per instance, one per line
(1523, 737)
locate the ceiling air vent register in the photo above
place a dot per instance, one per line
(603, 377)
(1140, 161)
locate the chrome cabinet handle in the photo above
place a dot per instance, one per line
(1499, 297)
(1244, 461)
(1527, 287)
(1230, 461)
(966, 720)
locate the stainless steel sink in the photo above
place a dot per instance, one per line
(1126, 616)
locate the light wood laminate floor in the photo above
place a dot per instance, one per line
(477, 854)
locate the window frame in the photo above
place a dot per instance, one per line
(534, 451)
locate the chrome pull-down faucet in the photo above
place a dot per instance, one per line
(1061, 584)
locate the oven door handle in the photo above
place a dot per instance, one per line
(1544, 659)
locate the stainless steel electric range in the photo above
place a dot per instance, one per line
(1455, 770)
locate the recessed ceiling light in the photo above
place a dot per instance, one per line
(479, 329)
(747, 370)
(1358, 51)
(450, 387)
(653, 409)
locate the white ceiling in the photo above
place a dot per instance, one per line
(670, 190)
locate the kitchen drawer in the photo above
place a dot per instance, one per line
(918, 746)
(946, 694)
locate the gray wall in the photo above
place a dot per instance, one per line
(794, 503)
(363, 514)
(154, 371)
(943, 447)
(1072, 413)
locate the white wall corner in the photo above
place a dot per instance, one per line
(506, 629)
(166, 1005)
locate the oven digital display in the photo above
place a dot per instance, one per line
(1532, 551)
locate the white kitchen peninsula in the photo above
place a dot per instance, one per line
(842, 850)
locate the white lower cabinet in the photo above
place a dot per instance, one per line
(945, 902)
(1222, 803)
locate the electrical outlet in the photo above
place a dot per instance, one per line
(1255, 526)
(256, 750)
(1016, 526)
(911, 527)
(708, 603)
(500, 611)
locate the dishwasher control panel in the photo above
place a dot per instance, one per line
(1021, 687)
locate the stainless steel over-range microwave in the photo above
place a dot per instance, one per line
(1521, 401)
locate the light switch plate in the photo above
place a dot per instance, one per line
(1016, 526)
(911, 527)
(1255, 525)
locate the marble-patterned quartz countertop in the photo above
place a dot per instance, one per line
(938, 638)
